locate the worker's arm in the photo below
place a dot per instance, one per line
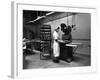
(55, 37)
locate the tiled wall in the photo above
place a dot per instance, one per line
(84, 48)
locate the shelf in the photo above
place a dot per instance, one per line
(45, 35)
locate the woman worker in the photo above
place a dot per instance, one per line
(68, 38)
(56, 48)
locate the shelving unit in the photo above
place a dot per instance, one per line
(45, 37)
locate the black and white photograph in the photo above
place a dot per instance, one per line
(50, 40)
(56, 39)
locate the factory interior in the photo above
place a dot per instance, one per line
(38, 28)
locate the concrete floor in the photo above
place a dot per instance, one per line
(81, 58)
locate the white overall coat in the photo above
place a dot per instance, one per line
(55, 44)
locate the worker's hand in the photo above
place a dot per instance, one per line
(56, 40)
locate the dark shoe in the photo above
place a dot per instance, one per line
(56, 60)
(68, 60)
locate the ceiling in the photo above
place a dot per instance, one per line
(30, 15)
